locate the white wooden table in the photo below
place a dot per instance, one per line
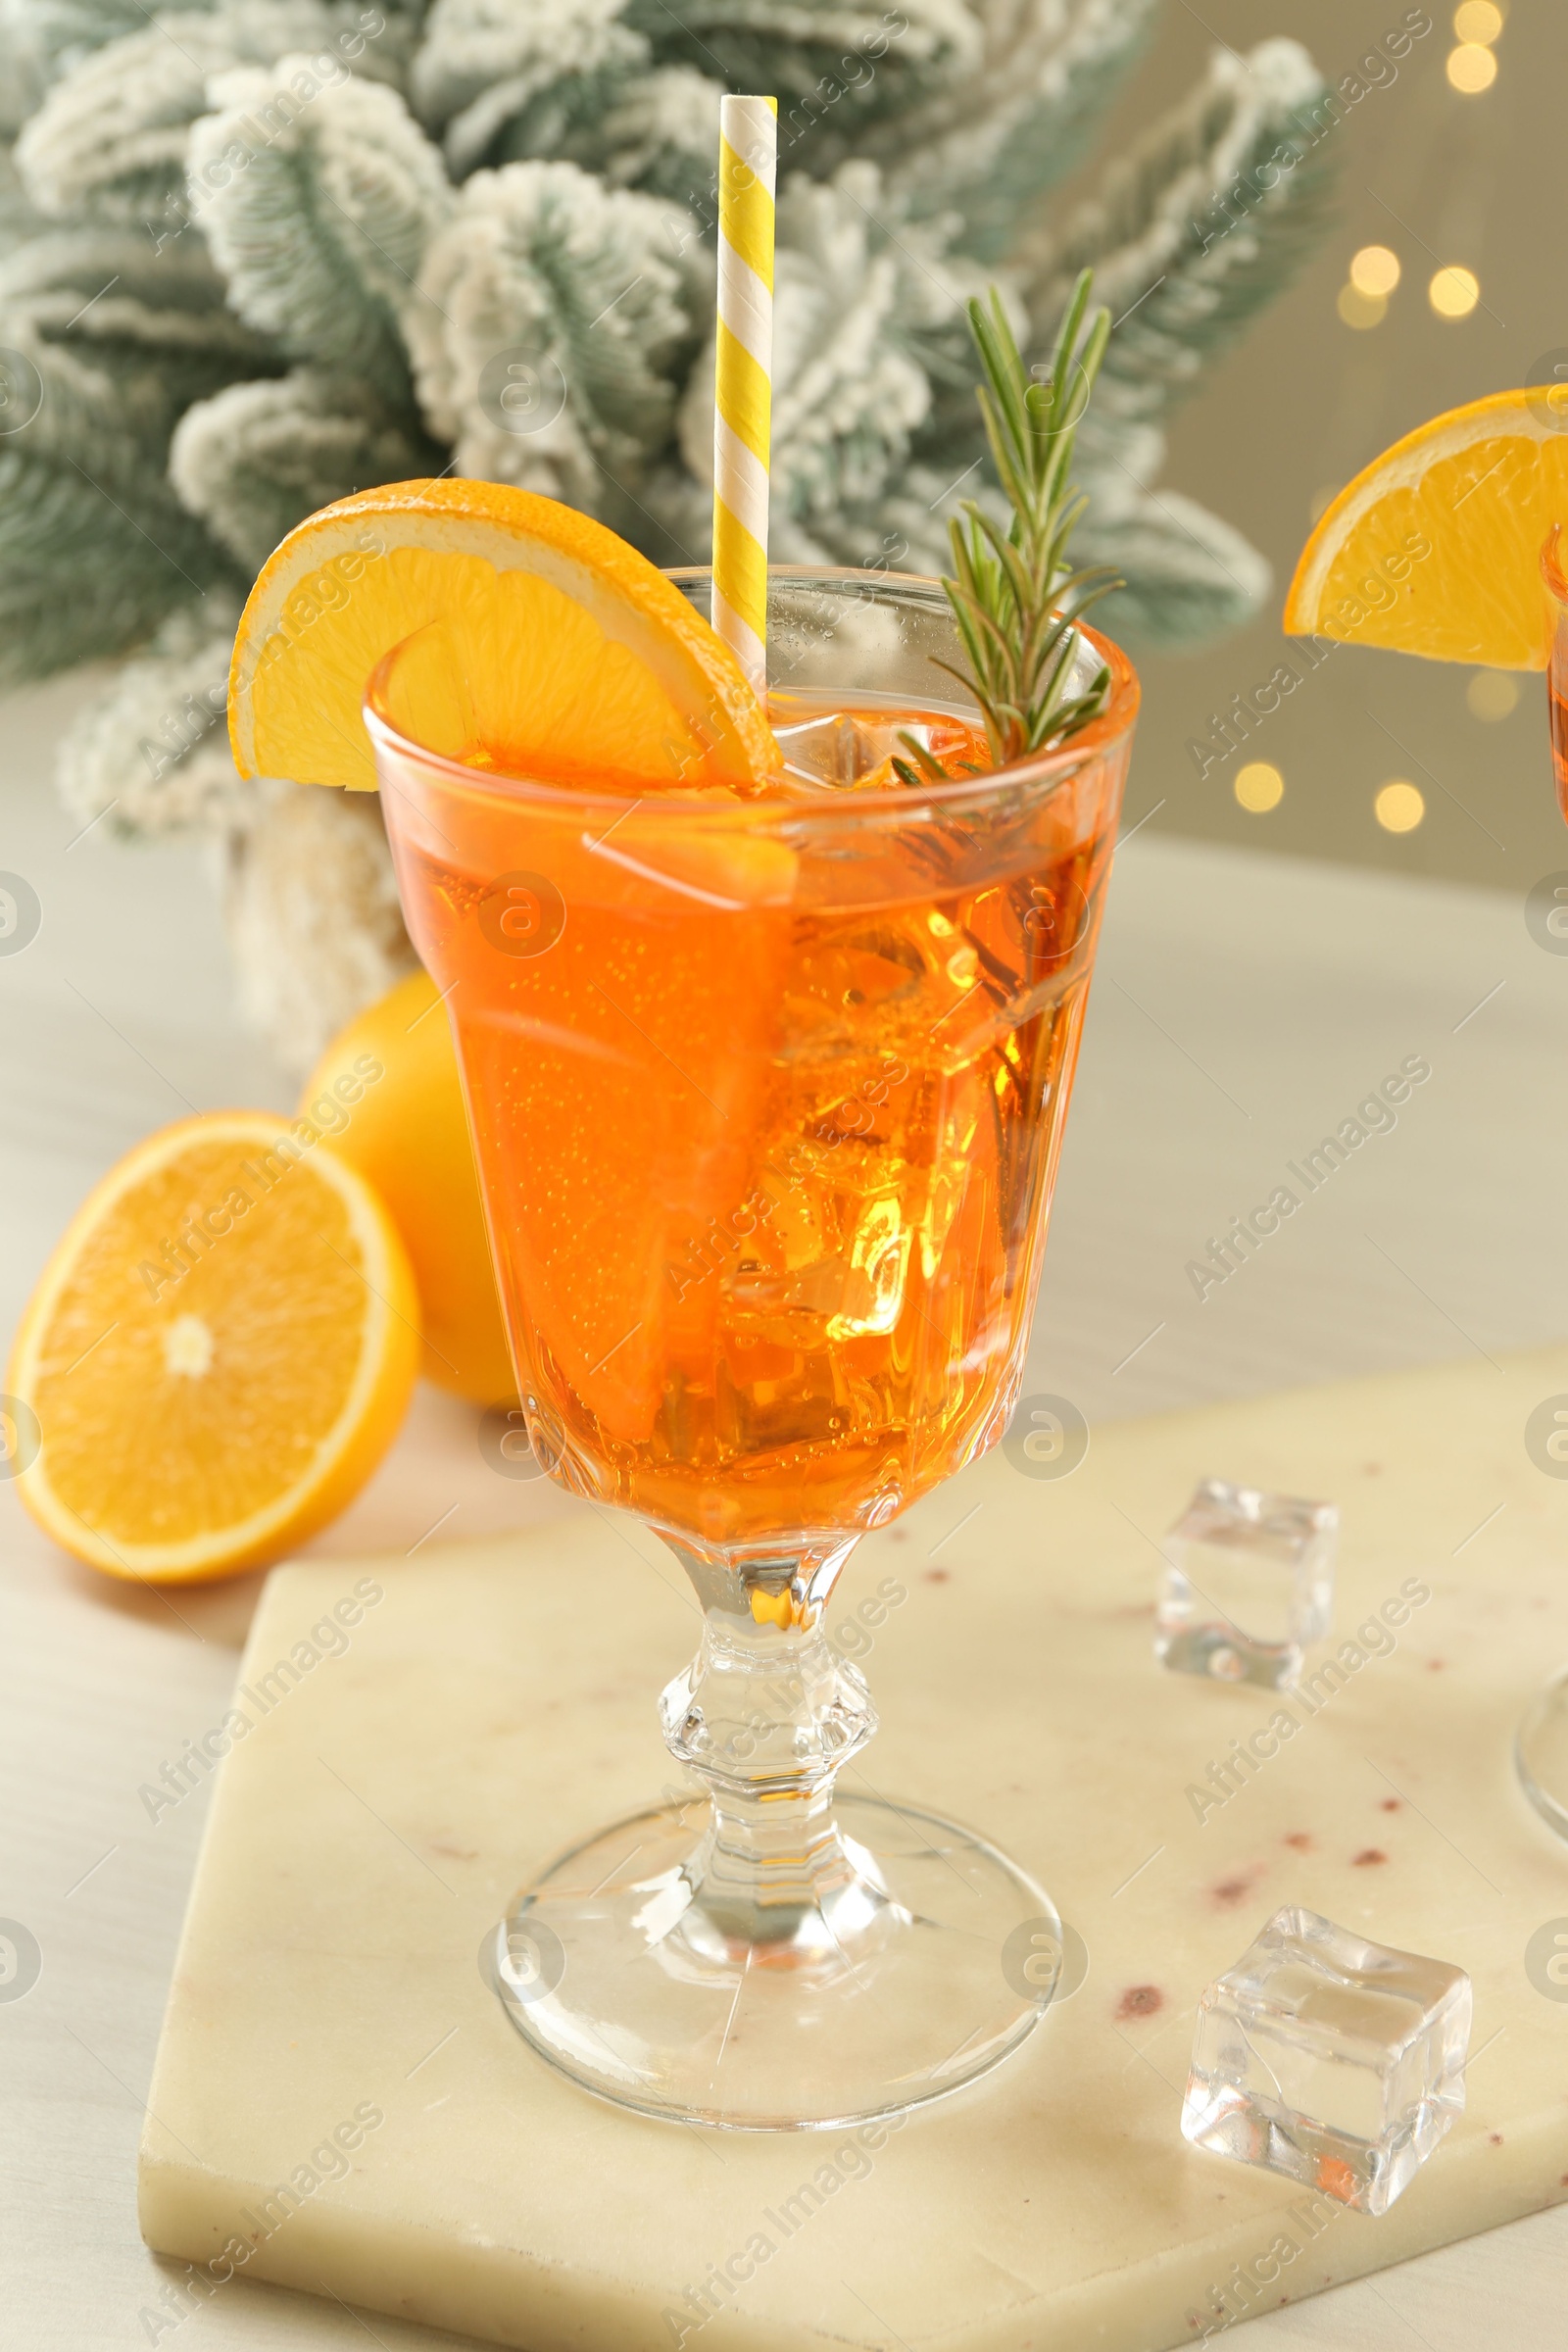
(1243, 1007)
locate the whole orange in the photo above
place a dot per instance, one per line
(387, 1099)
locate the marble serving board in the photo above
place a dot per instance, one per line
(419, 1736)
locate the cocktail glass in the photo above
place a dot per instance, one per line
(768, 1096)
(1541, 1746)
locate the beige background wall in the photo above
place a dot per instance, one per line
(1306, 401)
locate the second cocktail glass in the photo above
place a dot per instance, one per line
(1541, 1747)
(768, 1097)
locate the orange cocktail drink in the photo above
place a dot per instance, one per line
(767, 1066)
(767, 996)
(767, 1093)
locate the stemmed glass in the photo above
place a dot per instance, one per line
(768, 1097)
(1541, 1746)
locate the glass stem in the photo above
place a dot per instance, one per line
(765, 1716)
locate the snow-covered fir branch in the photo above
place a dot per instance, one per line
(259, 252)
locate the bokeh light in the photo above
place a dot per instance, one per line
(1472, 69)
(1492, 694)
(1375, 270)
(1400, 807)
(1258, 787)
(1454, 292)
(1361, 310)
(1478, 20)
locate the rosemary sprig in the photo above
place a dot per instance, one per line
(1015, 598)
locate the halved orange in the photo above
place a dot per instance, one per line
(1435, 549)
(580, 663)
(218, 1352)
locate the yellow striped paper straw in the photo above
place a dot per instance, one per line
(748, 153)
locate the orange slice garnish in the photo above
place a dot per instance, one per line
(1436, 548)
(579, 661)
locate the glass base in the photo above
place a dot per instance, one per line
(1542, 1753)
(917, 1959)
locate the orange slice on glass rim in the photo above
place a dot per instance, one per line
(580, 661)
(1435, 549)
(218, 1352)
